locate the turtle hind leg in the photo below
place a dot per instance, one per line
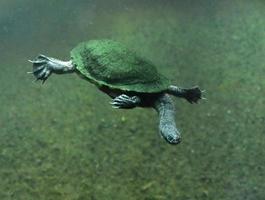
(44, 66)
(192, 95)
(125, 102)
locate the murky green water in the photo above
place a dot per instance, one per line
(62, 140)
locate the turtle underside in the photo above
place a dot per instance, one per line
(109, 63)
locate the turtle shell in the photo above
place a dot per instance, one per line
(109, 63)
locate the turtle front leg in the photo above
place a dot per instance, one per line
(44, 66)
(192, 95)
(124, 101)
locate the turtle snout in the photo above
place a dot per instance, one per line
(170, 133)
(173, 139)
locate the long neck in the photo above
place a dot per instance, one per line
(167, 126)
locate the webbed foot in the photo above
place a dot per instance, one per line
(193, 95)
(125, 102)
(44, 66)
(41, 68)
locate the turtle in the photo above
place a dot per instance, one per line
(127, 78)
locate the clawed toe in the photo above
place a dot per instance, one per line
(41, 56)
(115, 105)
(193, 95)
(36, 62)
(41, 74)
(124, 101)
(37, 69)
(120, 101)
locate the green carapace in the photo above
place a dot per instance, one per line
(111, 64)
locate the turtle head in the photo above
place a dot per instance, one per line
(171, 134)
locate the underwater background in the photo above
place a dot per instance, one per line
(63, 141)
